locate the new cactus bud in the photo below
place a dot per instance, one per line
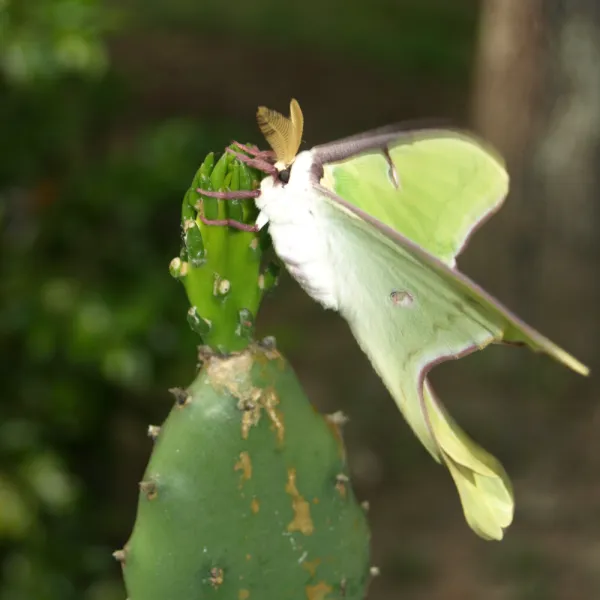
(220, 262)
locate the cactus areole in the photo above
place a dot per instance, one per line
(247, 493)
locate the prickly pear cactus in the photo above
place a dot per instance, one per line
(246, 494)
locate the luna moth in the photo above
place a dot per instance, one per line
(370, 226)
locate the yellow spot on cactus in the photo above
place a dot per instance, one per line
(318, 592)
(231, 374)
(244, 594)
(248, 556)
(271, 402)
(252, 407)
(216, 577)
(316, 501)
(311, 566)
(254, 505)
(302, 520)
(245, 466)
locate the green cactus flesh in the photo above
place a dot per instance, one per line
(246, 495)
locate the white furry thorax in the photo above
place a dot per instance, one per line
(297, 225)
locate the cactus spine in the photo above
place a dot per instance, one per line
(247, 493)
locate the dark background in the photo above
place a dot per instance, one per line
(106, 110)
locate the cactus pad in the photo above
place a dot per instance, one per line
(246, 495)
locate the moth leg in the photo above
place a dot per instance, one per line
(262, 161)
(238, 195)
(224, 222)
(252, 150)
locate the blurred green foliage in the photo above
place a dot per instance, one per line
(92, 327)
(40, 39)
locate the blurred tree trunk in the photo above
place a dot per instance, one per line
(537, 98)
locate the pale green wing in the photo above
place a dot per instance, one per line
(410, 311)
(433, 186)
